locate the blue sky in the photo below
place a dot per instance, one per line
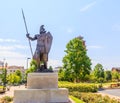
(98, 21)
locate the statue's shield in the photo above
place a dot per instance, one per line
(48, 43)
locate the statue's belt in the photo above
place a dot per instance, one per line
(41, 45)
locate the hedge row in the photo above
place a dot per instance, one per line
(80, 87)
(93, 98)
(2, 89)
(6, 99)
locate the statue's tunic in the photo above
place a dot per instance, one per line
(43, 46)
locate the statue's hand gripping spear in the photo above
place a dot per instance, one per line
(27, 32)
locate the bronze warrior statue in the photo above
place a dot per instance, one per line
(44, 41)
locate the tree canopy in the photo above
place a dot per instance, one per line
(99, 71)
(76, 62)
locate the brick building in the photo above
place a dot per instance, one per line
(116, 69)
(13, 69)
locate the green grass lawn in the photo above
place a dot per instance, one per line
(76, 100)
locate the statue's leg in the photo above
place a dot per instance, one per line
(45, 65)
(38, 63)
(45, 60)
(37, 59)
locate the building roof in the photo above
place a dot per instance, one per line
(15, 67)
(116, 68)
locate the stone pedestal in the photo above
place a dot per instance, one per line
(42, 80)
(42, 88)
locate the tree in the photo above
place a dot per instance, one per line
(76, 62)
(19, 74)
(108, 75)
(33, 68)
(99, 72)
(50, 68)
(115, 76)
(3, 76)
(13, 79)
(61, 74)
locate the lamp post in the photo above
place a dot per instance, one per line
(27, 63)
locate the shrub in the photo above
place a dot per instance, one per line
(2, 89)
(76, 100)
(6, 99)
(80, 87)
(93, 98)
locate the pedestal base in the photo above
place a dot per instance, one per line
(42, 88)
(42, 80)
(41, 96)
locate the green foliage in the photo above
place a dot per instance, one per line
(100, 80)
(80, 87)
(19, 74)
(76, 62)
(50, 68)
(93, 98)
(92, 78)
(115, 76)
(61, 74)
(33, 68)
(13, 79)
(99, 72)
(6, 99)
(3, 76)
(108, 75)
(76, 100)
(2, 89)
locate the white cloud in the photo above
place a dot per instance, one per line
(13, 47)
(20, 46)
(8, 40)
(86, 7)
(116, 27)
(6, 48)
(11, 54)
(94, 47)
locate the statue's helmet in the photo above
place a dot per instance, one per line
(41, 29)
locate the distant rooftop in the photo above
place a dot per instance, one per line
(14, 66)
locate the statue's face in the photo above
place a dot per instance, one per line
(41, 28)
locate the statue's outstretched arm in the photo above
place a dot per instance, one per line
(31, 38)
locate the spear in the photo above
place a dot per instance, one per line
(27, 32)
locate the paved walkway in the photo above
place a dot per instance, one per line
(113, 93)
(11, 91)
